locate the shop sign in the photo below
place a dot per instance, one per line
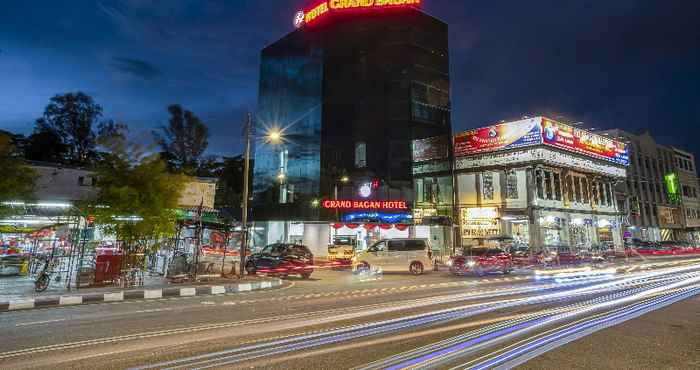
(198, 193)
(583, 142)
(430, 149)
(668, 217)
(486, 213)
(366, 204)
(505, 136)
(326, 7)
(480, 229)
(673, 187)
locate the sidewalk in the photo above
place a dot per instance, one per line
(17, 293)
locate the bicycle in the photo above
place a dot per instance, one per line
(44, 277)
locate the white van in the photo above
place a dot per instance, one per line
(395, 255)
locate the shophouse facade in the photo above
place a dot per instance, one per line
(542, 183)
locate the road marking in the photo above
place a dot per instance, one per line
(154, 310)
(39, 322)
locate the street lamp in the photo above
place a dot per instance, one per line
(274, 136)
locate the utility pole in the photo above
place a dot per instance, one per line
(244, 216)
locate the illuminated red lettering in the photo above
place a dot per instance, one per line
(336, 5)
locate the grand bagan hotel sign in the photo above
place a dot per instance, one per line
(318, 11)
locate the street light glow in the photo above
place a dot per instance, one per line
(275, 136)
(344, 179)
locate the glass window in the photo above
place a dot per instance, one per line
(539, 181)
(488, 186)
(414, 245)
(379, 247)
(396, 245)
(360, 154)
(557, 186)
(577, 189)
(570, 188)
(584, 190)
(595, 193)
(512, 185)
(548, 185)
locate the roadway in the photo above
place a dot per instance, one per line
(336, 320)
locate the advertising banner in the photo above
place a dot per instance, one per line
(583, 142)
(505, 136)
(430, 149)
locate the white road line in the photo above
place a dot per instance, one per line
(39, 322)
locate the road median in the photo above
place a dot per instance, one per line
(146, 293)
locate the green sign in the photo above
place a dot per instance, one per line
(673, 187)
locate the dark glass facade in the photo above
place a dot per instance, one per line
(350, 93)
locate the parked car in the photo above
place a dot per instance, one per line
(282, 260)
(481, 261)
(644, 248)
(562, 255)
(395, 255)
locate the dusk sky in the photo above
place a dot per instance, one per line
(628, 64)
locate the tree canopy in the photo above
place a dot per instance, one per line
(138, 196)
(71, 117)
(184, 140)
(17, 181)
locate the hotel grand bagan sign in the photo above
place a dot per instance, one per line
(326, 7)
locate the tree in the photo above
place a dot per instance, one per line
(71, 116)
(17, 181)
(45, 145)
(137, 197)
(184, 140)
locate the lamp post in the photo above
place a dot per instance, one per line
(343, 180)
(275, 137)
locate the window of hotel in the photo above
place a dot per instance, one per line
(557, 186)
(608, 194)
(570, 188)
(360, 154)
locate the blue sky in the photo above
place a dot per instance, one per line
(625, 63)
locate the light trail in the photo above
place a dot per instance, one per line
(447, 351)
(632, 286)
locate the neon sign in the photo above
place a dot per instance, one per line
(365, 204)
(309, 16)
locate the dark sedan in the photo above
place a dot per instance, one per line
(282, 260)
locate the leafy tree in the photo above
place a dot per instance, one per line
(45, 145)
(17, 181)
(184, 140)
(71, 116)
(137, 197)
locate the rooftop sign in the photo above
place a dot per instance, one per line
(329, 6)
(540, 131)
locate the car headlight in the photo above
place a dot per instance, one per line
(354, 259)
(450, 263)
(471, 263)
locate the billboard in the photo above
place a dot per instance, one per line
(430, 149)
(538, 131)
(198, 192)
(505, 136)
(583, 142)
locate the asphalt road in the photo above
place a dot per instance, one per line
(338, 321)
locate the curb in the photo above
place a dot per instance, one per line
(148, 294)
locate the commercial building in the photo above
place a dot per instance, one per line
(661, 191)
(539, 182)
(341, 100)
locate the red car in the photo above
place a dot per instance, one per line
(481, 261)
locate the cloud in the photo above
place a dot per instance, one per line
(136, 67)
